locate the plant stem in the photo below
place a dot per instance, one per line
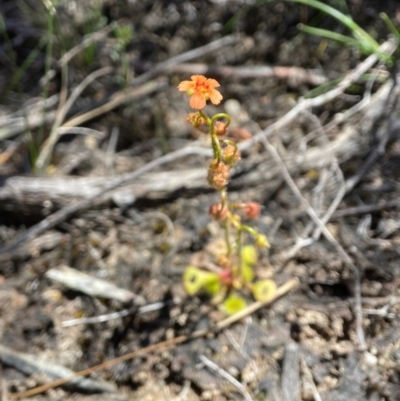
(239, 242)
(46, 87)
(224, 203)
(227, 238)
(251, 231)
(214, 138)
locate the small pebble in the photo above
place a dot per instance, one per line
(370, 360)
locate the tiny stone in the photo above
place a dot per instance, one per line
(370, 360)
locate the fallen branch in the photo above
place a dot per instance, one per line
(294, 75)
(30, 364)
(92, 286)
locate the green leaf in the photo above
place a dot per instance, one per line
(246, 273)
(195, 279)
(233, 304)
(264, 290)
(249, 255)
(213, 284)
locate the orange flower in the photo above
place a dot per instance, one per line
(218, 211)
(201, 89)
(252, 210)
(218, 174)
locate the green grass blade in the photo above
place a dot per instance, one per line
(390, 25)
(328, 34)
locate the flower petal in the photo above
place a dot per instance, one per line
(198, 100)
(199, 79)
(212, 82)
(215, 96)
(184, 86)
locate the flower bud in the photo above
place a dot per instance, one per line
(231, 155)
(262, 241)
(218, 211)
(225, 275)
(220, 128)
(218, 174)
(223, 261)
(195, 119)
(252, 210)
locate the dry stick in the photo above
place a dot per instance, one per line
(116, 315)
(364, 209)
(302, 242)
(30, 121)
(385, 134)
(349, 184)
(3, 385)
(62, 112)
(62, 214)
(30, 106)
(305, 104)
(11, 150)
(87, 41)
(181, 58)
(223, 373)
(116, 100)
(353, 181)
(294, 74)
(282, 290)
(81, 131)
(341, 192)
(111, 150)
(290, 382)
(310, 380)
(311, 212)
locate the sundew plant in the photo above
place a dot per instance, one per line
(232, 277)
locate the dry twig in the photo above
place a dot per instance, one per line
(92, 286)
(223, 373)
(314, 217)
(181, 58)
(30, 364)
(62, 111)
(96, 199)
(116, 315)
(306, 104)
(291, 373)
(293, 74)
(309, 381)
